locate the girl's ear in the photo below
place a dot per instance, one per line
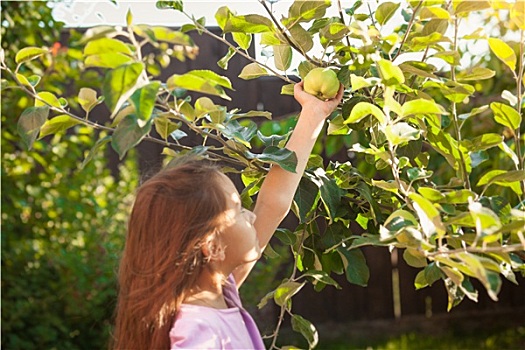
(212, 248)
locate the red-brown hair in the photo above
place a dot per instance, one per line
(173, 213)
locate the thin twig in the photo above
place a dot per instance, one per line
(285, 35)
(409, 27)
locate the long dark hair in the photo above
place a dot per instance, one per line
(173, 213)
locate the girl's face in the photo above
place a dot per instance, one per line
(238, 237)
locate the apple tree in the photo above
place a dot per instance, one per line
(432, 132)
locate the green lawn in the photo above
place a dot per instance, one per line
(507, 339)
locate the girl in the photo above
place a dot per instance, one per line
(190, 246)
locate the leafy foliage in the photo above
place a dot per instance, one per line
(62, 227)
(434, 133)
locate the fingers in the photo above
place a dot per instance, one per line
(339, 93)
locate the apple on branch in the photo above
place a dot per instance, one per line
(322, 83)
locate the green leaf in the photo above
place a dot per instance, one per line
(363, 109)
(272, 140)
(87, 98)
(242, 39)
(305, 199)
(476, 269)
(129, 17)
(421, 106)
(171, 36)
(414, 258)
(330, 193)
(435, 26)
(390, 74)
(418, 68)
(432, 273)
(473, 112)
(503, 178)
(57, 124)
(426, 277)
(399, 219)
(322, 277)
(106, 46)
(509, 152)
(400, 133)
(170, 4)
(475, 74)
(337, 126)
(205, 106)
(286, 159)
(239, 133)
(358, 82)
(164, 126)
(223, 62)
(305, 11)
(517, 14)
(270, 39)
(129, 133)
(222, 15)
(431, 194)
(307, 329)
(433, 12)
(506, 115)
(248, 24)
(288, 89)
(420, 281)
(107, 60)
(119, 85)
(286, 291)
(418, 174)
(485, 141)
(204, 81)
(451, 57)
(252, 71)
(459, 196)
(47, 98)
(466, 6)
(285, 236)
(385, 11)
(365, 192)
(429, 217)
(504, 52)
(22, 79)
(354, 263)
(282, 56)
(301, 38)
(334, 31)
(30, 122)
(487, 222)
(144, 99)
(29, 53)
(252, 114)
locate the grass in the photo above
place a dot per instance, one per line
(506, 339)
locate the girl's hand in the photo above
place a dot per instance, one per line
(311, 103)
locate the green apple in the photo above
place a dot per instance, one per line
(322, 83)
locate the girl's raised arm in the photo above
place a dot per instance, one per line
(276, 194)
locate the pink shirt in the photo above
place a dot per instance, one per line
(201, 327)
